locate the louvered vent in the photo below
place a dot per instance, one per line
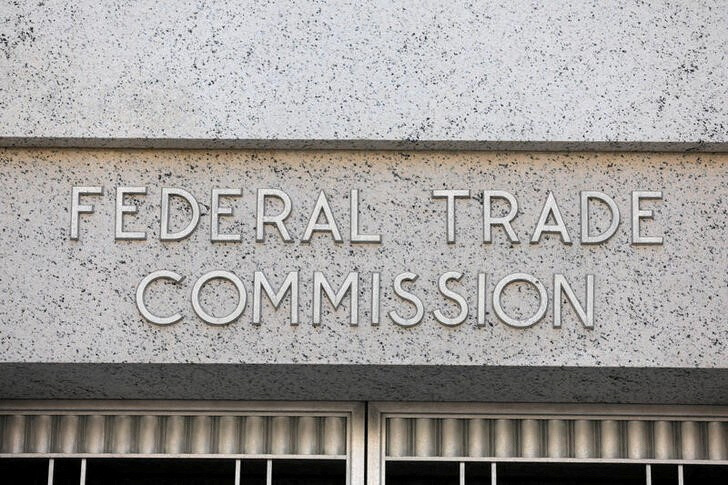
(556, 438)
(98, 434)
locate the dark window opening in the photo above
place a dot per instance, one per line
(706, 474)
(30, 471)
(66, 471)
(309, 472)
(159, 472)
(422, 473)
(477, 473)
(664, 475)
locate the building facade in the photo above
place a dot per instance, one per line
(328, 243)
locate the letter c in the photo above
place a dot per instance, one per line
(149, 316)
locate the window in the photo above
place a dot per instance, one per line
(162, 443)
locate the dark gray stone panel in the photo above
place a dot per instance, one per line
(365, 383)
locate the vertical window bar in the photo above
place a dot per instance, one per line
(680, 477)
(493, 474)
(51, 466)
(82, 481)
(269, 472)
(462, 473)
(648, 474)
(237, 472)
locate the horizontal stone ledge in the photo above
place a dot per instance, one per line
(365, 144)
(508, 384)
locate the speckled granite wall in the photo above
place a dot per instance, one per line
(658, 308)
(506, 74)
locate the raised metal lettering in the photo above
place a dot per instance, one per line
(223, 275)
(507, 319)
(141, 305)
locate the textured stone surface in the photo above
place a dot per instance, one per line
(365, 383)
(73, 301)
(482, 72)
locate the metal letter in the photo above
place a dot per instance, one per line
(78, 208)
(216, 211)
(561, 285)
(448, 293)
(407, 296)
(550, 207)
(261, 219)
(450, 195)
(511, 278)
(290, 284)
(585, 237)
(481, 299)
(223, 275)
(354, 220)
(149, 316)
(638, 214)
(322, 206)
(350, 284)
(176, 236)
(376, 298)
(489, 221)
(122, 209)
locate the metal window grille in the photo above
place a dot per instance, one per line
(495, 434)
(272, 432)
(265, 442)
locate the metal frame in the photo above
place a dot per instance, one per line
(353, 412)
(379, 412)
(366, 440)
